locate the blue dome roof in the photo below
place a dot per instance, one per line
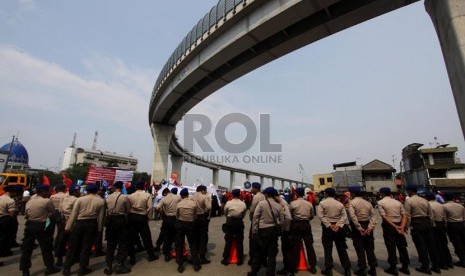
(18, 153)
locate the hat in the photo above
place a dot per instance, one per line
(91, 187)
(300, 191)
(448, 196)
(412, 188)
(236, 192)
(430, 195)
(256, 185)
(60, 188)
(270, 191)
(330, 191)
(385, 190)
(355, 189)
(165, 191)
(9, 188)
(42, 188)
(140, 185)
(201, 188)
(184, 192)
(118, 184)
(174, 190)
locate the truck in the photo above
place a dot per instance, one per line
(9, 178)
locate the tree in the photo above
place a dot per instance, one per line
(77, 171)
(143, 176)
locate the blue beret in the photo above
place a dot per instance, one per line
(9, 188)
(236, 192)
(300, 190)
(270, 191)
(412, 188)
(42, 188)
(118, 184)
(140, 184)
(430, 195)
(355, 189)
(330, 191)
(184, 192)
(201, 188)
(256, 185)
(385, 190)
(174, 190)
(91, 187)
(448, 196)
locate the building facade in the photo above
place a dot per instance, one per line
(322, 181)
(74, 155)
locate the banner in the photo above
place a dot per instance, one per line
(98, 174)
(123, 175)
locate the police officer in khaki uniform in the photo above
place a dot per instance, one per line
(440, 232)
(420, 217)
(257, 197)
(8, 213)
(39, 210)
(286, 246)
(66, 207)
(204, 205)
(83, 224)
(363, 222)
(167, 207)
(455, 215)
(333, 217)
(186, 214)
(138, 219)
(234, 210)
(268, 216)
(394, 221)
(56, 199)
(302, 213)
(117, 209)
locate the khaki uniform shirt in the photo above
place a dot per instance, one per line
(255, 200)
(168, 204)
(90, 206)
(455, 212)
(301, 209)
(122, 204)
(391, 208)
(263, 218)
(235, 208)
(330, 211)
(38, 209)
(439, 212)
(203, 203)
(56, 199)
(417, 207)
(186, 210)
(7, 205)
(141, 203)
(362, 210)
(285, 209)
(67, 205)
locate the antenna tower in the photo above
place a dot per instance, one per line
(94, 145)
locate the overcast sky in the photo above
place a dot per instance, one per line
(86, 66)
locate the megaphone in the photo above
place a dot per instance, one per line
(247, 185)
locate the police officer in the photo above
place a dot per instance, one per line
(167, 207)
(66, 207)
(8, 214)
(302, 213)
(85, 221)
(267, 219)
(56, 219)
(257, 197)
(138, 219)
(234, 210)
(204, 206)
(333, 217)
(363, 222)
(161, 236)
(455, 227)
(394, 221)
(39, 210)
(286, 246)
(186, 214)
(117, 209)
(440, 232)
(421, 221)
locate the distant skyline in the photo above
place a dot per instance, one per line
(84, 66)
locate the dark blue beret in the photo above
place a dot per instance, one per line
(430, 195)
(385, 190)
(330, 191)
(412, 188)
(256, 185)
(174, 190)
(270, 191)
(236, 192)
(184, 192)
(118, 184)
(201, 188)
(91, 187)
(140, 185)
(300, 190)
(355, 189)
(9, 188)
(42, 188)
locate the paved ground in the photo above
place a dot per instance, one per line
(160, 267)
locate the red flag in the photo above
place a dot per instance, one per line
(45, 181)
(66, 180)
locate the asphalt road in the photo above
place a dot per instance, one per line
(216, 245)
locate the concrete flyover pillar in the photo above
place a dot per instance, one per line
(232, 179)
(448, 17)
(176, 165)
(282, 185)
(262, 180)
(247, 176)
(273, 182)
(215, 176)
(161, 143)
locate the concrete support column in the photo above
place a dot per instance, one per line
(282, 185)
(273, 182)
(216, 176)
(247, 176)
(262, 180)
(232, 180)
(176, 166)
(448, 18)
(161, 143)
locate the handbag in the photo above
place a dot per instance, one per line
(277, 228)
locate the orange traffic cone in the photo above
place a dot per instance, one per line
(185, 252)
(302, 261)
(233, 253)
